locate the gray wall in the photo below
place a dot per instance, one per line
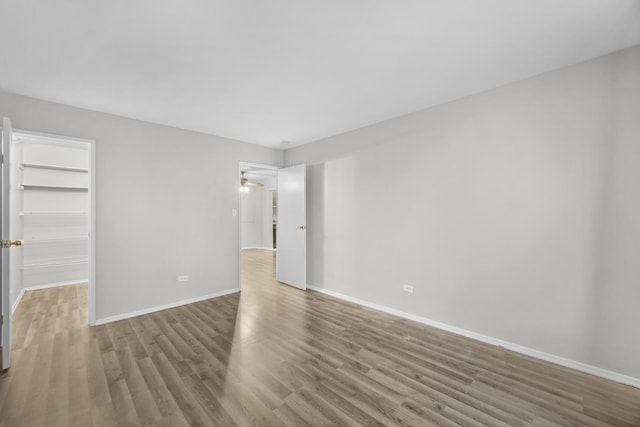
(257, 214)
(615, 323)
(252, 211)
(164, 200)
(514, 213)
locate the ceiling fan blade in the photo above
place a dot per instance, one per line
(244, 181)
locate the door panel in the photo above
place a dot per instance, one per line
(291, 266)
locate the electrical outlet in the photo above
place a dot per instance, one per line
(407, 288)
(184, 278)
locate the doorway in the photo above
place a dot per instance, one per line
(257, 214)
(51, 218)
(273, 218)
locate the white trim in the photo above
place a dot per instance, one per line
(568, 363)
(258, 247)
(55, 285)
(91, 286)
(50, 138)
(17, 301)
(163, 307)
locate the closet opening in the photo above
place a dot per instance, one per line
(52, 205)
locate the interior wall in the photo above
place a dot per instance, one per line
(616, 315)
(268, 212)
(164, 203)
(257, 214)
(513, 213)
(251, 218)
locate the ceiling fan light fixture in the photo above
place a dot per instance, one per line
(245, 183)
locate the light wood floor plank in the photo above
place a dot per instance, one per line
(274, 355)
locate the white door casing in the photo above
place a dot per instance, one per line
(291, 257)
(5, 260)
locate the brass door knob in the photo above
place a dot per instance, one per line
(9, 243)
(301, 227)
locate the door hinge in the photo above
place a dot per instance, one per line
(1, 319)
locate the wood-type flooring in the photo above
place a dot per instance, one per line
(273, 355)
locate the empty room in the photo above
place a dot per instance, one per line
(285, 213)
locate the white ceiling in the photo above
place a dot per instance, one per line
(266, 71)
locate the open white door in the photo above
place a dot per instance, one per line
(4, 259)
(291, 264)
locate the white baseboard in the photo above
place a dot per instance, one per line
(163, 307)
(578, 366)
(17, 301)
(258, 247)
(55, 285)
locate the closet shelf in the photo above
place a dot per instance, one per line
(52, 167)
(79, 144)
(55, 240)
(53, 264)
(54, 213)
(52, 188)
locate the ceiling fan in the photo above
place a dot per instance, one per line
(245, 183)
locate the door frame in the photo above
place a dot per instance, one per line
(242, 164)
(91, 147)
